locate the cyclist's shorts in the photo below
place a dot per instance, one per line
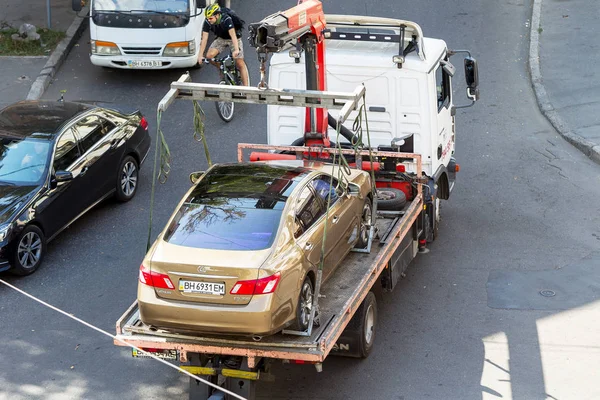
(222, 44)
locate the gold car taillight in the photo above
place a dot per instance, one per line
(256, 286)
(154, 279)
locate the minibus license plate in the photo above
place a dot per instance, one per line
(144, 64)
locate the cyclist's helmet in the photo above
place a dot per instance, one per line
(211, 10)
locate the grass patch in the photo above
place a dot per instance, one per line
(43, 47)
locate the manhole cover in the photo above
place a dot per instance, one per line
(548, 293)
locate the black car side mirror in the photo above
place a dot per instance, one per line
(63, 176)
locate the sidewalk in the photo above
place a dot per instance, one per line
(28, 77)
(565, 72)
(563, 62)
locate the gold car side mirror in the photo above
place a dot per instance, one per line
(196, 176)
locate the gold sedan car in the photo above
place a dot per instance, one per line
(240, 253)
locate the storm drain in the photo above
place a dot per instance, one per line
(572, 286)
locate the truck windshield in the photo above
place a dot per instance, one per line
(141, 6)
(147, 14)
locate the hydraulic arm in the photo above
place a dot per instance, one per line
(301, 27)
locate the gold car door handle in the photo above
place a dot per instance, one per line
(308, 246)
(335, 219)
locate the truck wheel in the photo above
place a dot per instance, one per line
(367, 313)
(437, 217)
(390, 199)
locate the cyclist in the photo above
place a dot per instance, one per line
(221, 24)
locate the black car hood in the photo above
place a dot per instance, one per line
(13, 198)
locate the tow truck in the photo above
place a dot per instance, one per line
(415, 159)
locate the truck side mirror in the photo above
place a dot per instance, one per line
(472, 78)
(77, 5)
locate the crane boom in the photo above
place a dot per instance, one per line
(301, 26)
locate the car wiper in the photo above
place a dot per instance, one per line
(176, 14)
(113, 12)
(22, 169)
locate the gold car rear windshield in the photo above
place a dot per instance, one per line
(234, 208)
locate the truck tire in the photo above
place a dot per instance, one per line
(367, 314)
(437, 217)
(390, 199)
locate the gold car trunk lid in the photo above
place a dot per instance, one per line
(205, 275)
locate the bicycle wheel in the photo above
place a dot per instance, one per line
(225, 108)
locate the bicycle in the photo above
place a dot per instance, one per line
(231, 76)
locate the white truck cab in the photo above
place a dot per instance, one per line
(409, 97)
(145, 34)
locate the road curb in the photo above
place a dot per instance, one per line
(58, 56)
(590, 149)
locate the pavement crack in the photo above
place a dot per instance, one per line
(542, 154)
(554, 155)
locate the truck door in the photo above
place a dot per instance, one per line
(444, 142)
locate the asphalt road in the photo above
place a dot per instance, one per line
(525, 210)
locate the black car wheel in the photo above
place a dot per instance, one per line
(29, 251)
(365, 224)
(127, 181)
(305, 303)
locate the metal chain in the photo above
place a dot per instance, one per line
(154, 177)
(262, 58)
(199, 118)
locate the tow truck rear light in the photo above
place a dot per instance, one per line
(400, 168)
(155, 279)
(144, 123)
(256, 286)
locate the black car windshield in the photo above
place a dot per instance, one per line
(24, 161)
(167, 6)
(233, 208)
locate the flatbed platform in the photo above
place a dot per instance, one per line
(340, 297)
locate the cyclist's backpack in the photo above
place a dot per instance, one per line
(238, 23)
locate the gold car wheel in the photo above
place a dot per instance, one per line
(365, 224)
(305, 303)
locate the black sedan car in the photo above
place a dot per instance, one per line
(57, 160)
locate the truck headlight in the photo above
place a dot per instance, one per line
(105, 48)
(4, 232)
(180, 49)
